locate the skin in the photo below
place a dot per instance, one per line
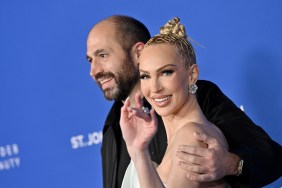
(108, 62)
(164, 83)
(114, 71)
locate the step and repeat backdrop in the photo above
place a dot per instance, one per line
(52, 112)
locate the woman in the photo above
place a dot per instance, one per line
(168, 74)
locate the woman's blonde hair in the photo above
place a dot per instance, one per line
(173, 32)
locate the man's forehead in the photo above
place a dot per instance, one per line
(103, 36)
(102, 31)
(105, 25)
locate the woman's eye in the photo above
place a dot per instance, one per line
(143, 76)
(167, 72)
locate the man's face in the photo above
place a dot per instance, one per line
(111, 66)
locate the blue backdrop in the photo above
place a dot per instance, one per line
(52, 112)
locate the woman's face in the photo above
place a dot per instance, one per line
(164, 79)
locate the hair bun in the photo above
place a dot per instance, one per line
(174, 26)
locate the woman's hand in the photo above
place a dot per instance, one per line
(137, 126)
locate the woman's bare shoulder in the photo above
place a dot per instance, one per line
(185, 134)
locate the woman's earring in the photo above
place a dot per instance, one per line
(193, 88)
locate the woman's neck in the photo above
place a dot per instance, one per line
(189, 112)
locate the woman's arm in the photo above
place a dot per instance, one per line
(147, 173)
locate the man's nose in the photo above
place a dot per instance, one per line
(95, 68)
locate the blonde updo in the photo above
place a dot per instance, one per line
(173, 33)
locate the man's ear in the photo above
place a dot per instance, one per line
(193, 74)
(136, 50)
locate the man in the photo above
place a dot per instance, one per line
(254, 160)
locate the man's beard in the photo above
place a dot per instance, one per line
(126, 79)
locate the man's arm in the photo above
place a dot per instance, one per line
(208, 164)
(262, 156)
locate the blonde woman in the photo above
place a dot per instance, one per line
(168, 73)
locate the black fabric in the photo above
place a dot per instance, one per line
(109, 149)
(262, 156)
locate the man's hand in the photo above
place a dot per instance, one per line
(207, 164)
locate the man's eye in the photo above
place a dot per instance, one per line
(89, 60)
(103, 55)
